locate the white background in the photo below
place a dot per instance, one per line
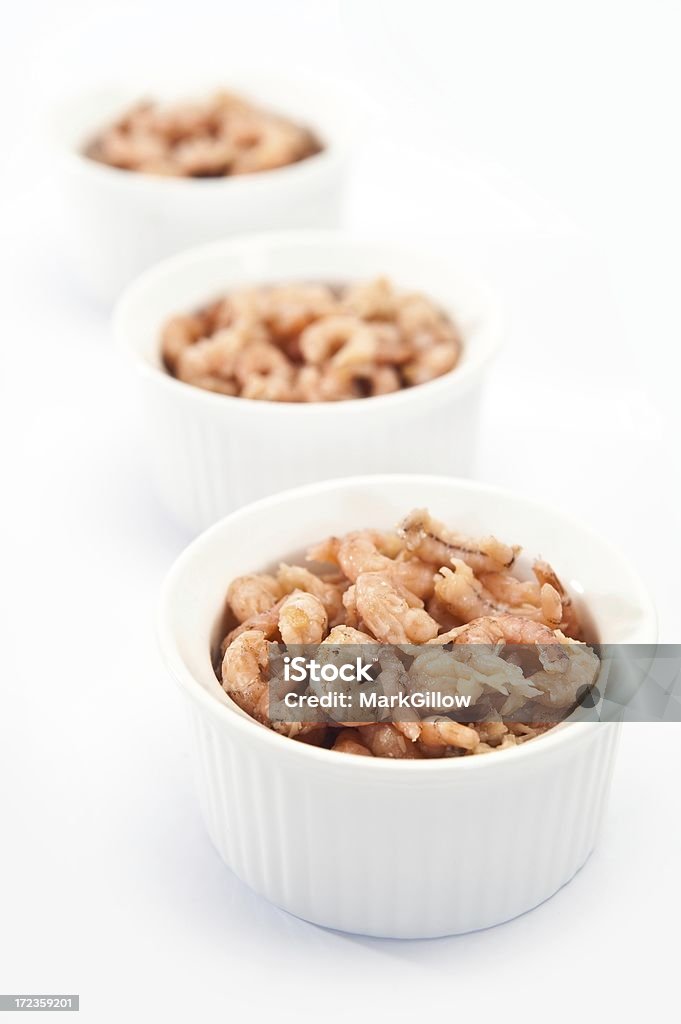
(543, 139)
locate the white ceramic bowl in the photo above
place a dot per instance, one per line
(394, 848)
(212, 453)
(119, 222)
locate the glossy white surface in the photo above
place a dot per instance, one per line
(211, 453)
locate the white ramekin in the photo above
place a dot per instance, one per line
(211, 453)
(119, 222)
(394, 848)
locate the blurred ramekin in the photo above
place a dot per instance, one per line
(212, 453)
(117, 222)
(394, 848)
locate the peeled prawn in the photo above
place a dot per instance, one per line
(432, 541)
(458, 589)
(244, 676)
(514, 629)
(252, 595)
(389, 611)
(302, 619)
(359, 552)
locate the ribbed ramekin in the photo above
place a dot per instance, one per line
(117, 222)
(394, 848)
(211, 453)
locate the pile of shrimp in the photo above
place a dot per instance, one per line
(312, 342)
(220, 136)
(422, 584)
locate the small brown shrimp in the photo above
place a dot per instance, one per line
(325, 552)
(289, 309)
(350, 605)
(389, 611)
(204, 157)
(458, 589)
(263, 359)
(253, 594)
(516, 593)
(562, 690)
(491, 732)
(384, 380)
(571, 622)
(432, 541)
(129, 149)
(509, 590)
(266, 622)
(296, 577)
(212, 357)
(356, 352)
(302, 619)
(179, 334)
(244, 673)
(324, 384)
(514, 629)
(349, 741)
(323, 339)
(432, 362)
(385, 740)
(277, 145)
(269, 388)
(348, 635)
(423, 323)
(371, 300)
(444, 732)
(359, 552)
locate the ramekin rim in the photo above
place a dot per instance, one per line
(455, 379)
(229, 713)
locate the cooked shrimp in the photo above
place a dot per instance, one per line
(296, 577)
(348, 635)
(432, 362)
(251, 595)
(571, 622)
(517, 594)
(302, 619)
(444, 732)
(323, 339)
(324, 384)
(514, 629)
(266, 622)
(371, 300)
(262, 359)
(213, 357)
(358, 552)
(389, 611)
(563, 689)
(385, 740)
(179, 334)
(244, 676)
(432, 541)
(289, 309)
(349, 741)
(326, 551)
(422, 322)
(464, 595)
